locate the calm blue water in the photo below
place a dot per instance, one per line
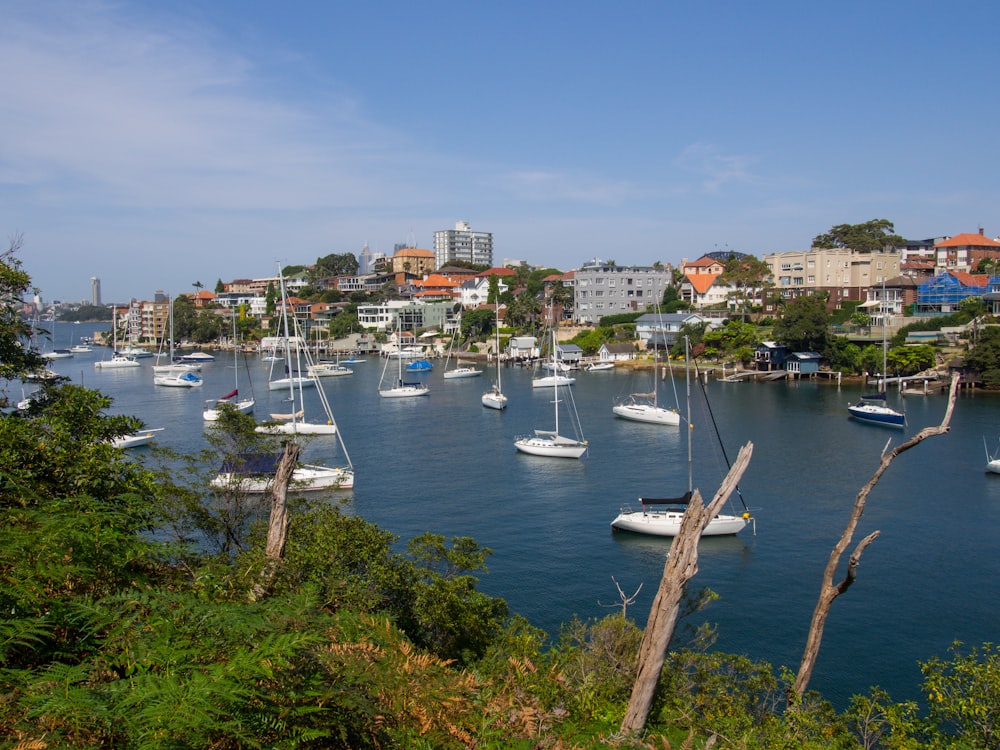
(445, 464)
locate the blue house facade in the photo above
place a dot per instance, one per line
(770, 355)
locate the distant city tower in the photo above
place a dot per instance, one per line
(366, 260)
(95, 291)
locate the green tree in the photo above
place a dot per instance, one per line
(343, 324)
(17, 357)
(909, 360)
(335, 264)
(984, 357)
(861, 319)
(963, 696)
(973, 307)
(750, 277)
(872, 236)
(734, 340)
(476, 324)
(219, 287)
(804, 325)
(270, 298)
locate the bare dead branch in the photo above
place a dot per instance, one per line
(829, 591)
(681, 565)
(277, 527)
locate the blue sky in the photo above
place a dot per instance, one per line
(158, 144)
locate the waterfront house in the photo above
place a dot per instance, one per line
(569, 354)
(656, 330)
(616, 352)
(770, 355)
(803, 363)
(522, 347)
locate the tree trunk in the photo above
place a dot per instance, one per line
(277, 527)
(830, 591)
(680, 567)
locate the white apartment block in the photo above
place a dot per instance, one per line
(410, 316)
(601, 290)
(462, 243)
(844, 273)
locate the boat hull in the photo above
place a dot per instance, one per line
(212, 413)
(117, 363)
(647, 413)
(550, 381)
(462, 372)
(493, 400)
(558, 447)
(184, 380)
(877, 414)
(305, 478)
(668, 523)
(286, 383)
(404, 391)
(296, 428)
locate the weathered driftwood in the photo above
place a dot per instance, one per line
(680, 567)
(277, 526)
(829, 590)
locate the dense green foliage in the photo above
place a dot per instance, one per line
(871, 236)
(804, 326)
(984, 357)
(87, 314)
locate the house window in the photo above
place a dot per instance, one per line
(811, 279)
(611, 282)
(600, 280)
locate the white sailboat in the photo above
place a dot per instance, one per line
(174, 375)
(402, 388)
(645, 407)
(550, 442)
(662, 516)
(459, 370)
(557, 370)
(117, 360)
(243, 404)
(136, 439)
(255, 474)
(992, 460)
(295, 422)
(873, 408)
(494, 398)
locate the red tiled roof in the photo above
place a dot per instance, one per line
(968, 239)
(497, 272)
(704, 262)
(971, 279)
(413, 252)
(701, 282)
(435, 280)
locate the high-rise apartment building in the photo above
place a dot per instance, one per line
(95, 291)
(461, 243)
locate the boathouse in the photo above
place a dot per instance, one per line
(802, 364)
(770, 355)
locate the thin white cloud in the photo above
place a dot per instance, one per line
(714, 168)
(551, 187)
(166, 117)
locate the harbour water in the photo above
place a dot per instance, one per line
(445, 464)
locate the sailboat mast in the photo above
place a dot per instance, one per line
(687, 377)
(288, 345)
